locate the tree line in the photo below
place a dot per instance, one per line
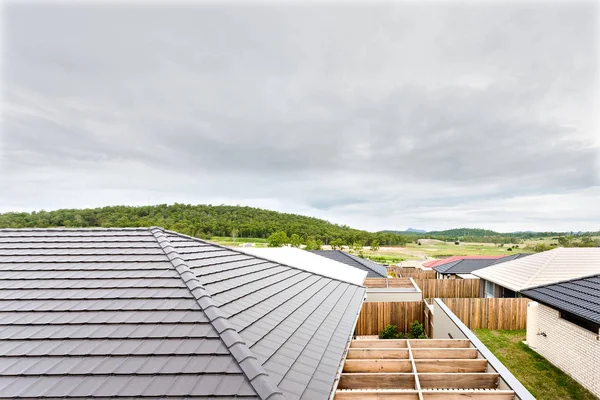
(205, 221)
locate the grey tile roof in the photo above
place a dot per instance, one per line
(579, 296)
(468, 265)
(132, 313)
(373, 270)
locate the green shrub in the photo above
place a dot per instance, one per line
(417, 330)
(389, 332)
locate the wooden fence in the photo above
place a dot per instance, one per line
(415, 273)
(375, 316)
(446, 288)
(389, 283)
(490, 313)
(508, 314)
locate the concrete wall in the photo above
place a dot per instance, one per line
(573, 349)
(390, 295)
(443, 325)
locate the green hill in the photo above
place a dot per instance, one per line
(202, 221)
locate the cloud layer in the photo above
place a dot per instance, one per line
(378, 116)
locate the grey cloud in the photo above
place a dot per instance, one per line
(349, 112)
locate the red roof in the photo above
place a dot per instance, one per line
(434, 263)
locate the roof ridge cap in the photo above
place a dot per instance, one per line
(542, 267)
(259, 379)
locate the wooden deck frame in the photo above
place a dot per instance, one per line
(428, 394)
(417, 369)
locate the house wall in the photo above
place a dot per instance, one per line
(498, 291)
(573, 349)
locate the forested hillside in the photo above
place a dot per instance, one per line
(202, 221)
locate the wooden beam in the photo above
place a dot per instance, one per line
(468, 395)
(439, 343)
(379, 344)
(380, 353)
(458, 381)
(376, 395)
(444, 353)
(452, 394)
(362, 365)
(449, 365)
(382, 380)
(414, 371)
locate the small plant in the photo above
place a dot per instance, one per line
(389, 332)
(417, 330)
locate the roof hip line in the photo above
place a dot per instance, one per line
(262, 384)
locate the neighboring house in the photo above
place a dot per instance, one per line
(435, 263)
(149, 313)
(566, 327)
(463, 268)
(373, 270)
(508, 278)
(306, 260)
(379, 289)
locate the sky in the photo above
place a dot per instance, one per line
(430, 115)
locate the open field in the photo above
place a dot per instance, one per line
(440, 250)
(537, 374)
(394, 254)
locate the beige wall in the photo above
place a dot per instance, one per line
(571, 348)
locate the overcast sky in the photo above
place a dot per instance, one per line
(379, 116)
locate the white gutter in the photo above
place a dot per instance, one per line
(341, 367)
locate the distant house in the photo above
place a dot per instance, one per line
(436, 262)
(380, 288)
(508, 278)
(565, 327)
(464, 268)
(373, 270)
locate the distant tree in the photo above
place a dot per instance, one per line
(295, 240)
(234, 234)
(337, 244)
(312, 244)
(375, 245)
(540, 247)
(357, 246)
(277, 239)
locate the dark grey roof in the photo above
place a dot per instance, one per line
(579, 296)
(373, 270)
(511, 257)
(468, 265)
(132, 313)
(465, 266)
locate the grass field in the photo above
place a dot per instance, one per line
(228, 241)
(440, 250)
(394, 254)
(537, 374)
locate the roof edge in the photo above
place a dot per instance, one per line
(359, 260)
(262, 384)
(253, 255)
